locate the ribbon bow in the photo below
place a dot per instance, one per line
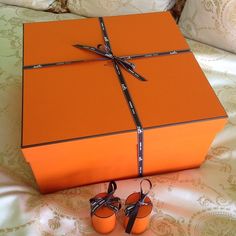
(107, 53)
(132, 209)
(108, 200)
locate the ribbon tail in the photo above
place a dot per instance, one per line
(136, 75)
(132, 72)
(131, 221)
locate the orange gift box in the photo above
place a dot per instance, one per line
(78, 127)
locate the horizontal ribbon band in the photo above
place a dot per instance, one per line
(136, 56)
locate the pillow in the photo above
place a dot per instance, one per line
(34, 4)
(211, 22)
(59, 6)
(94, 8)
(51, 5)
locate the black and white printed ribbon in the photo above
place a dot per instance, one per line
(114, 203)
(132, 210)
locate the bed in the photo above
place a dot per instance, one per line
(186, 203)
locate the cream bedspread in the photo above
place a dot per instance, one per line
(187, 203)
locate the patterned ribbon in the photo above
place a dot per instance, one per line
(128, 66)
(117, 61)
(108, 200)
(132, 210)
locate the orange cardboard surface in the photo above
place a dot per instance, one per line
(77, 127)
(142, 219)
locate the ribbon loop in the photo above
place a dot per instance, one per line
(92, 49)
(108, 200)
(112, 187)
(141, 188)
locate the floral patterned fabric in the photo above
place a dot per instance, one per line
(91, 8)
(186, 203)
(211, 22)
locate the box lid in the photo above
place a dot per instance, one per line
(85, 99)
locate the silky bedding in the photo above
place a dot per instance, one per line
(193, 202)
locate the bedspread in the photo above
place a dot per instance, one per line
(186, 203)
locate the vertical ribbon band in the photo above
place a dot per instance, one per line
(128, 98)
